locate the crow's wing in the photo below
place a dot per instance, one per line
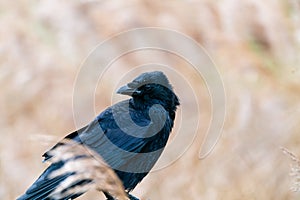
(126, 138)
(90, 171)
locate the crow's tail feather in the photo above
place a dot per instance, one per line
(45, 184)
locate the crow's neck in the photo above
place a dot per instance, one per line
(141, 104)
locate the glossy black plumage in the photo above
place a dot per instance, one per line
(129, 136)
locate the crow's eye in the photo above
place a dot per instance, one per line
(147, 87)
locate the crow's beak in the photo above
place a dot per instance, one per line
(126, 90)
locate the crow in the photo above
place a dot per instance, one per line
(129, 136)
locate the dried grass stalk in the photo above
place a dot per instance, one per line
(87, 165)
(295, 170)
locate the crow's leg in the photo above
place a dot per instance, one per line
(108, 197)
(131, 197)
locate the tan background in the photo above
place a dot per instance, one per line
(254, 43)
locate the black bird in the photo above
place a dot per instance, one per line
(129, 136)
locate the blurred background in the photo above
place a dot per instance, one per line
(254, 44)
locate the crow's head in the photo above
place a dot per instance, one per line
(151, 87)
